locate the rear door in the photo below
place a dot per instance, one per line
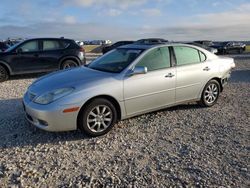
(52, 51)
(192, 72)
(156, 88)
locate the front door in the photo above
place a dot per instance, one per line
(26, 57)
(156, 88)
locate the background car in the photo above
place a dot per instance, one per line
(151, 41)
(129, 81)
(204, 42)
(229, 47)
(210, 49)
(106, 49)
(3, 46)
(40, 55)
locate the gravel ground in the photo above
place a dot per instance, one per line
(184, 146)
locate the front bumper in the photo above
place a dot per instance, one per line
(50, 117)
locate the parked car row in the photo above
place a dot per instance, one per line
(40, 55)
(224, 47)
(148, 41)
(214, 47)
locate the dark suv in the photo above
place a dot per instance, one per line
(3, 46)
(40, 55)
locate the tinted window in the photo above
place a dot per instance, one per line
(51, 45)
(186, 55)
(30, 46)
(156, 59)
(116, 61)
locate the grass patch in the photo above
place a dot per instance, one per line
(248, 48)
(91, 48)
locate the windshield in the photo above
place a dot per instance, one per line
(115, 61)
(12, 47)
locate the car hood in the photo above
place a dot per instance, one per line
(78, 78)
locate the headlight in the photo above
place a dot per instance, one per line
(53, 95)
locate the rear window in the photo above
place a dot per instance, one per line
(186, 55)
(54, 44)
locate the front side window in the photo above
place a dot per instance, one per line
(31, 46)
(51, 45)
(116, 61)
(155, 59)
(186, 55)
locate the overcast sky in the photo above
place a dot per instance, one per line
(126, 19)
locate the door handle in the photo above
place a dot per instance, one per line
(169, 75)
(206, 69)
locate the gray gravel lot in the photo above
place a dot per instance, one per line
(184, 146)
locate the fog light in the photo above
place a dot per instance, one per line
(43, 123)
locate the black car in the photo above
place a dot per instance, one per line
(229, 47)
(3, 46)
(151, 41)
(204, 42)
(210, 49)
(106, 49)
(40, 55)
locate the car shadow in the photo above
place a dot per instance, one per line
(15, 131)
(240, 76)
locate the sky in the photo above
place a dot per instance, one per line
(126, 19)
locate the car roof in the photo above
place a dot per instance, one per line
(148, 46)
(137, 46)
(49, 38)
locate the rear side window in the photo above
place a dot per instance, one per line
(30, 46)
(51, 45)
(186, 55)
(156, 59)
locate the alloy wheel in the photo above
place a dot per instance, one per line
(69, 65)
(99, 118)
(211, 93)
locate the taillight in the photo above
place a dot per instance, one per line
(82, 50)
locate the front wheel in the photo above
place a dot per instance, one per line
(210, 93)
(98, 117)
(3, 74)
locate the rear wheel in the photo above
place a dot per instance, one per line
(3, 74)
(210, 93)
(68, 64)
(98, 117)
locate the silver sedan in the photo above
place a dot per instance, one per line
(128, 81)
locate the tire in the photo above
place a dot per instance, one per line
(3, 74)
(68, 64)
(210, 93)
(89, 120)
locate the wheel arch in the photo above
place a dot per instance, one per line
(219, 81)
(107, 97)
(7, 67)
(214, 78)
(73, 58)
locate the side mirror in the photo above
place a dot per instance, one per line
(139, 70)
(19, 50)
